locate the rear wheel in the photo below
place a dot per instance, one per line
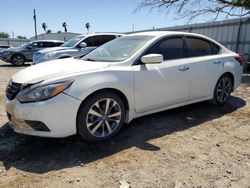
(101, 117)
(222, 90)
(17, 60)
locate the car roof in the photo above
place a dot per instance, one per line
(47, 41)
(96, 34)
(165, 33)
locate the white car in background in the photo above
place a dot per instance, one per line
(126, 78)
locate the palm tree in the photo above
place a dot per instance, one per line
(44, 26)
(87, 25)
(64, 25)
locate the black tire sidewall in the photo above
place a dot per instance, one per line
(82, 115)
(14, 63)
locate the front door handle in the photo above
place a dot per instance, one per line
(217, 62)
(183, 68)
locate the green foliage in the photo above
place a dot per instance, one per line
(21, 37)
(4, 35)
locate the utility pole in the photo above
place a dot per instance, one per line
(34, 17)
(13, 36)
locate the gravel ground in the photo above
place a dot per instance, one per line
(199, 145)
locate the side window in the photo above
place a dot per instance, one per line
(198, 47)
(48, 44)
(93, 41)
(216, 48)
(107, 38)
(170, 48)
(37, 45)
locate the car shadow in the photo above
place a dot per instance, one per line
(40, 155)
(246, 78)
(10, 65)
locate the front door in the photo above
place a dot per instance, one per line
(163, 84)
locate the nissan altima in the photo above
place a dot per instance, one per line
(126, 78)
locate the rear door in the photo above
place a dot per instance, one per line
(205, 66)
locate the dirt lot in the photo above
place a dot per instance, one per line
(194, 146)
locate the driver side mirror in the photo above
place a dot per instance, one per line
(82, 45)
(152, 58)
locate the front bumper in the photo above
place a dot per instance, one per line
(57, 114)
(5, 58)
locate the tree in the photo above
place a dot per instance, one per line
(48, 31)
(44, 26)
(21, 37)
(87, 25)
(64, 25)
(195, 8)
(4, 35)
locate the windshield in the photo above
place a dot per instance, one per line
(117, 50)
(72, 42)
(25, 45)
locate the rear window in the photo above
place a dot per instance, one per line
(198, 47)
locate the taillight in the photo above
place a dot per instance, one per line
(239, 59)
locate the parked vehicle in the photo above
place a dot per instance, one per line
(126, 78)
(4, 47)
(75, 47)
(24, 53)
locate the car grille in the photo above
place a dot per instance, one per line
(12, 90)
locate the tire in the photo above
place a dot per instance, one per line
(97, 123)
(17, 60)
(222, 90)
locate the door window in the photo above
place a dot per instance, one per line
(107, 38)
(37, 45)
(93, 41)
(198, 47)
(170, 48)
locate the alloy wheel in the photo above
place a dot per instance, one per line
(18, 60)
(103, 117)
(224, 89)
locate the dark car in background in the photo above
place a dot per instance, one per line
(24, 53)
(4, 47)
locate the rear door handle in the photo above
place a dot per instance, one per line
(217, 62)
(183, 68)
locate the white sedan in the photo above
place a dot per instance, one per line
(123, 79)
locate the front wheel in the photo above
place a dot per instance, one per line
(17, 60)
(101, 117)
(222, 90)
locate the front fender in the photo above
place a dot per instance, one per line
(89, 83)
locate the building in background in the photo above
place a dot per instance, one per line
(63, 36)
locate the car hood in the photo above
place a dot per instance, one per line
(53, 49)
(15, 49)
(56, 68)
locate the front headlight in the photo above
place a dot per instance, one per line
(43, 92)
(6, 53)
(48, 56)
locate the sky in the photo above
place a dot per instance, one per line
(103, 16)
